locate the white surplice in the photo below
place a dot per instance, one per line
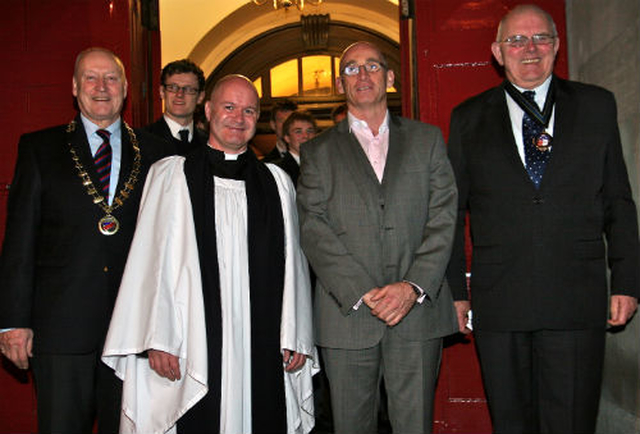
(160, 306)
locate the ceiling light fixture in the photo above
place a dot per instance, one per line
(286, 4)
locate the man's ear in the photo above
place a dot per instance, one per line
(207, 110)
(391, 78)
(497, 52)
(339, 84)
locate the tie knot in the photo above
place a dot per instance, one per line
(530, 95)
(184, 135)
(104, 135)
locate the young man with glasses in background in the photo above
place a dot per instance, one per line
(181, 90)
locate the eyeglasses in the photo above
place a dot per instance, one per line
(371, 67)
(188, 90)
(519, 41)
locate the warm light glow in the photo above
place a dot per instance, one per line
(286, 4)
(258, 84)
(284, 79)
(316, 75)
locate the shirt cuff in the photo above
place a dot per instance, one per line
(421, 294)
(358, 304)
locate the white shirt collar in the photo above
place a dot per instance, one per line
(355, 123)
(176, 127)
(541, 91)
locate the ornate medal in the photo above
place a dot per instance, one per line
(543, 142)
(108, 225)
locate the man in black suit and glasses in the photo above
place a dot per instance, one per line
(539, 167)
(181, 89)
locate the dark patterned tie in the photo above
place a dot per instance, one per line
(102, 160)
(535, 160)
(184, 136)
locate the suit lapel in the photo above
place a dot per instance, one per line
(395, 154)
(498, 110)
(126, 158)
(359, 165)
(564, 122)
(166, 131)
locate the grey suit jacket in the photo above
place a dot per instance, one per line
(359, 234)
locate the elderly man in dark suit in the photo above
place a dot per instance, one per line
(71, 216)
(540, 171)
(181, 89)
(377, 201)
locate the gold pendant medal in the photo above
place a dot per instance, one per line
(108, 225)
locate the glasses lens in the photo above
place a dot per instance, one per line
(372, 67)
(518, 41)
(174, 88)
(542, 39)
(351, 70)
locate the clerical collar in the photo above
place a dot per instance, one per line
(227, 157)
(544, 93)
(225, 165)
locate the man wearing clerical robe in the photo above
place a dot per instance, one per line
(212, 326)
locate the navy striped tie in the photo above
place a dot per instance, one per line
(102, 160)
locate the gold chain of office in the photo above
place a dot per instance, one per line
(108, 225)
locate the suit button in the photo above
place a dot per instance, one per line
(537, 200)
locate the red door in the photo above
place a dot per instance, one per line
(40, 42)
(452, 61)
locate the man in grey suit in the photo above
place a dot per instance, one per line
(377, 201)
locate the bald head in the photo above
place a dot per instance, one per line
(236, 81)
(232, 111)
(97, 50)
(358, 45)
(99, 85)
(524, 10)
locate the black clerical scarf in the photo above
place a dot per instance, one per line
(266, 275)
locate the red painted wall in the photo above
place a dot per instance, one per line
(40, 40)
(453, 62)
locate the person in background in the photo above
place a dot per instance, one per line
(280, 112)
(299, 127)
(339, 113)
(181, 90)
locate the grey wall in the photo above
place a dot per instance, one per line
(604, 49)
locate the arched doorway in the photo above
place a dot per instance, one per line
(299, 61)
